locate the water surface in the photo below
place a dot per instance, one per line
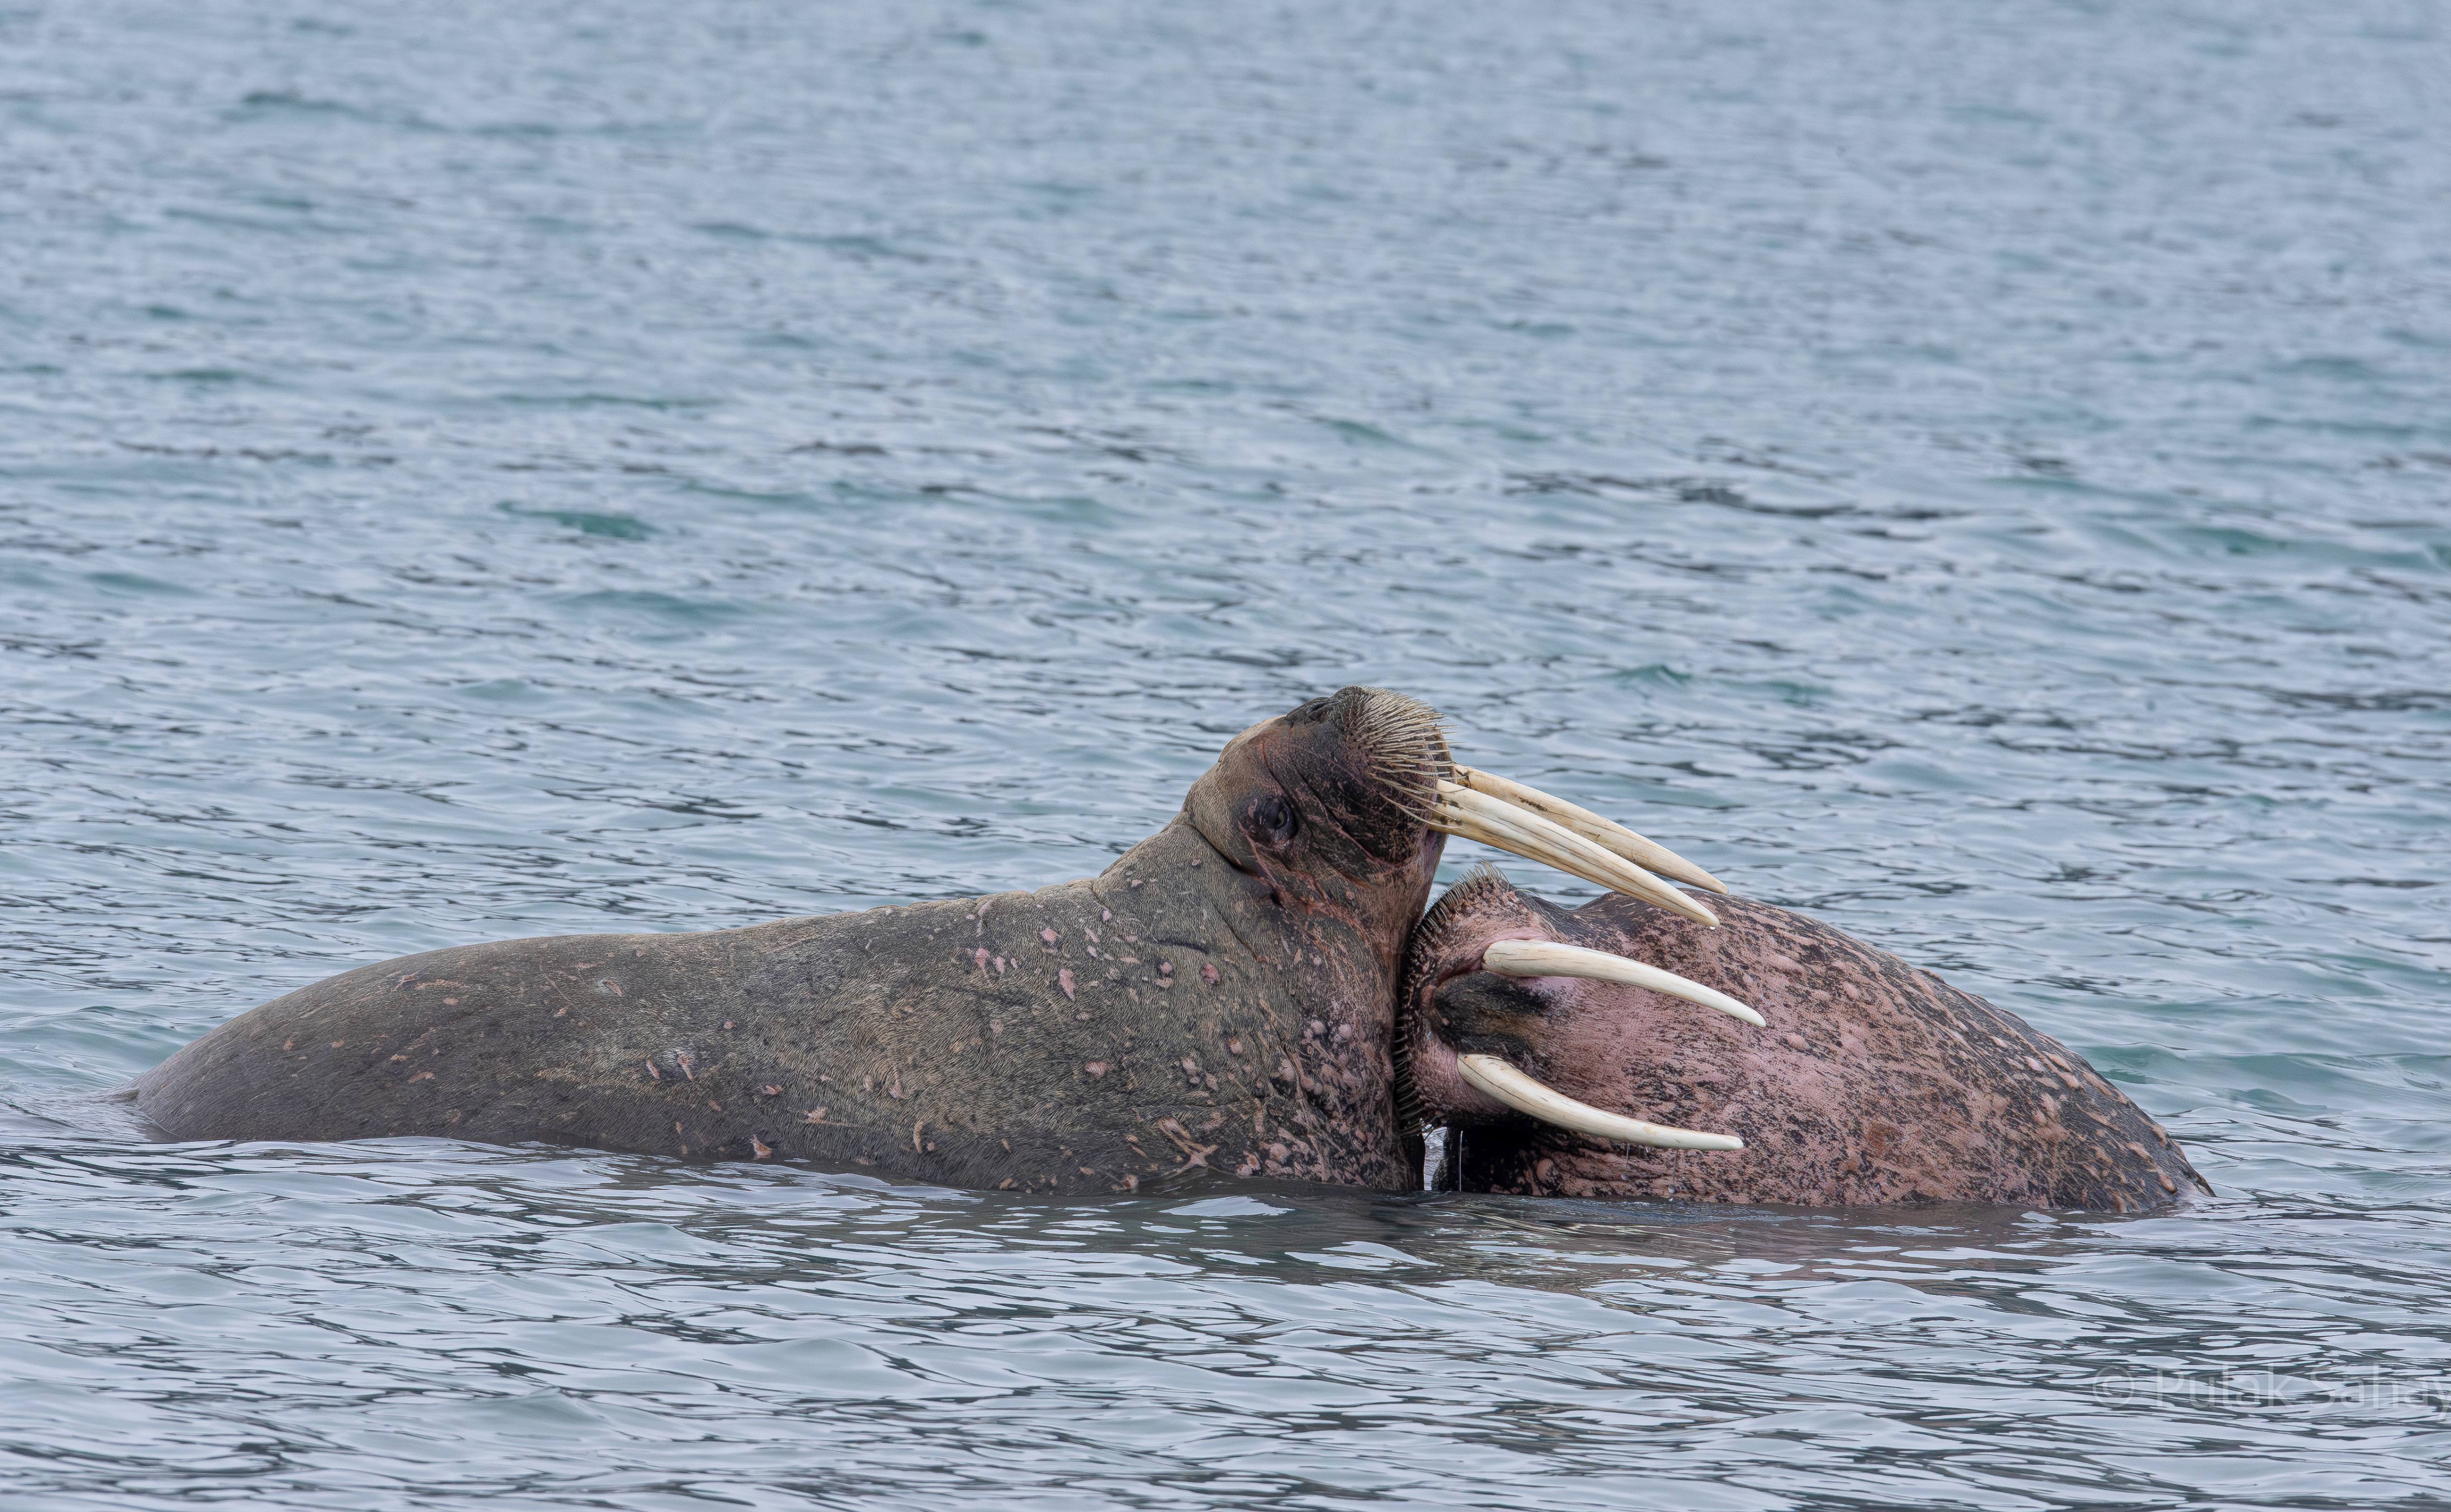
(1980, 476)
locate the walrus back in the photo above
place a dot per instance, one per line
(1023, 1041)
(487, 1042)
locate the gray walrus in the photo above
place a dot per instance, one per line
(1547, 1040)
(1221, 998)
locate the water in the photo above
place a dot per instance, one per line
(1979, 474)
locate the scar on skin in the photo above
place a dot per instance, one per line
(814, 1116)
(762, 1147)
(653, 1075)
(1193, 1154)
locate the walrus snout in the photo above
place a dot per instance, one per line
(1486, 1027)
(1485, 1010)
(1361, 784)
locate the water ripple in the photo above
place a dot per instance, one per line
(470, 473)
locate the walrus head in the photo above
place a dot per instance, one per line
(1356, 784)
(1490, 982)
(1544, 1038)
(1328, 802)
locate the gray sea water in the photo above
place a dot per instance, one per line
(1980, 474)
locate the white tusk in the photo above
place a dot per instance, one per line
(1607, 833)
(1495, 821)
(1545, 958)
(1520, 1092)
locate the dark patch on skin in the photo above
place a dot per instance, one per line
(1259, 933)
(1875, 1083)
(1482, 1013)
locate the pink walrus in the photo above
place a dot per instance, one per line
(1568, 1051)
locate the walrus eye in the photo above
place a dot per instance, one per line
(1272, 819)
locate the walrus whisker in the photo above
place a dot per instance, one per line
(1606, 833)
(1523, 1093)
(1547, 957)
(1463, 812)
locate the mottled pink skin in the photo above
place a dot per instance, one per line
(1875, 1083)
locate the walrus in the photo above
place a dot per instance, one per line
(1565, 1050)
(1221, 1000)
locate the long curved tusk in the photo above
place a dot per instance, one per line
(1606, 833)
(1520, 1092)
(1545, 958)
(1460, 811)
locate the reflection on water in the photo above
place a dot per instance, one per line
(1980, 479)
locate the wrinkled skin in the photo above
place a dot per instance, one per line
(1875, 1083)
(1221, 1000)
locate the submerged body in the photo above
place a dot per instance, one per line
(1086, 1036)
(1221, 1000)
(1252, 992)
(1870, 1082)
